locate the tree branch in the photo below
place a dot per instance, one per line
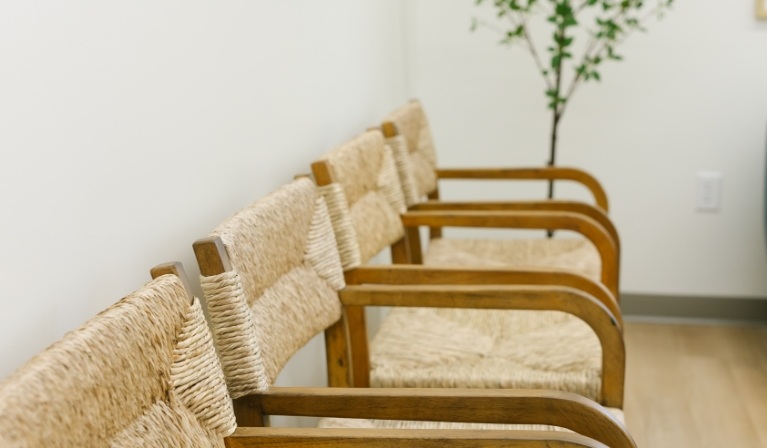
(600, 52)
(491, 26)
(534, 52)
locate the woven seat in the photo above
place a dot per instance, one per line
(452, 347)
(141, 373)
(576, 254)
(409, 136)
(273, 278)
(421, 347)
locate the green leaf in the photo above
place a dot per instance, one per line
(611, 55)
(608, 23)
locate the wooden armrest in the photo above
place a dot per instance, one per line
(512, 297)
(584, 225)
(427, 275)
(542, 173)
(592, 212)
(421, 438)
(503, 406)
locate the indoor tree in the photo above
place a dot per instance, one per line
(584, 34)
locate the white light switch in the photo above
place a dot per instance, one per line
(709, 192)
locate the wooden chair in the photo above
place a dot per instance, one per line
(143, 372)
(468, 343)
(408, 134)
(272, 279)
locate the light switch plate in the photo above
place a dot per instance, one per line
(709, 191)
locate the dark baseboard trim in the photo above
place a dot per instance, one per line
(687, 307)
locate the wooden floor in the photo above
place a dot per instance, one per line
(696, 386)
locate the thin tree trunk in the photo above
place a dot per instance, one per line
(553, 149)
(552, 157)
(557, 114)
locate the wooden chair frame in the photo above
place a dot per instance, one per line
(545, 173)
(403, 274)
(421, 438)
(173, 268)
(550, 206)
(541, 173)
(597, 213)
(544, 220)
(454, 405)
(457, 405)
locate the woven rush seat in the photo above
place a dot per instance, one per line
(143, 372)
(577, 254)
(424, 347)
(473, 348)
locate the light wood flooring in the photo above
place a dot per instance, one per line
(696, 386)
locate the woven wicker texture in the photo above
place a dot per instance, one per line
(404, 164)
(577, 254)
(408, 424)
(367, 174)
(196, 374)
(419, 347)
(343, 228)
(286, 272)
(141, 373)
(412, 124)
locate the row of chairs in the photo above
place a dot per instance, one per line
(488, 343)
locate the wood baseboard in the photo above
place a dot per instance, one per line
(723, 309)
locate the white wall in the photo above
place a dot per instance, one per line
(690, 95)
(130, 129)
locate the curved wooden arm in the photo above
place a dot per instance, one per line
(540, 298)
(530, 220)
(592, 212)
(387, 438)
(542, 173)
(502, 406)
(427, 275)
